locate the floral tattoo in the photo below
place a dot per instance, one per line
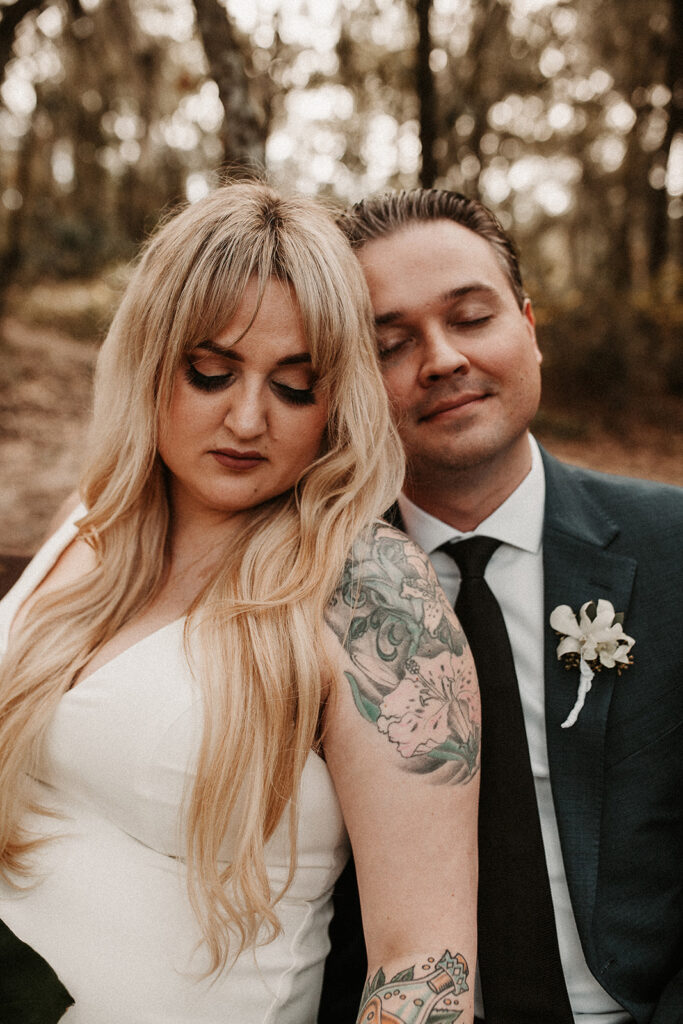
(411, 681)
(414, 996)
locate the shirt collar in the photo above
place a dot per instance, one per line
(518, 521)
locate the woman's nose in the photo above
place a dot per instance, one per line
(246, 413)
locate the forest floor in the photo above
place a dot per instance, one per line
(45, 390)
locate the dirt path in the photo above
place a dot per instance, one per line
(45, 388)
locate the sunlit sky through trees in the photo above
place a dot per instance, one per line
(564, 116)
(309, 134)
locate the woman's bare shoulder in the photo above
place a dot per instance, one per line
(388, 572)
(73, 562)
(405, 658)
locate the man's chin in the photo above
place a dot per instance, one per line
(465, 454)
(429, 466)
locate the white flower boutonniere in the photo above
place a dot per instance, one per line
(592, 640)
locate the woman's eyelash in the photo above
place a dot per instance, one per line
(206, 382)
(295, 396)
(216, 382)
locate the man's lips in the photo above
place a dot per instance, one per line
(232, 458)
(451, 404)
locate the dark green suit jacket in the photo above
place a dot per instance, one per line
(617, 774)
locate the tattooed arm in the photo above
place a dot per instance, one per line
(402, 737)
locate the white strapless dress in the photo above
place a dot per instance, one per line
(109, 908)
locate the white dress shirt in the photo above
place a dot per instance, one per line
(515, 575)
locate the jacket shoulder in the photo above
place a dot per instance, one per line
(654, 504)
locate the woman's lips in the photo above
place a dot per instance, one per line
(233, 459)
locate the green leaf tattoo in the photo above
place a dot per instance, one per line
(404, 975)
(367, 709)
(410, 679)
(429, 998)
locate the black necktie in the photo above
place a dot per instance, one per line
(519, 960)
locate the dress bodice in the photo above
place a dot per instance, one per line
(109, 910)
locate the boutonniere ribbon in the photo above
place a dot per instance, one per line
(590, 641)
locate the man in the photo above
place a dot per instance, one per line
(462, 369)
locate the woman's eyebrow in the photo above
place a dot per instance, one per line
(229, 353)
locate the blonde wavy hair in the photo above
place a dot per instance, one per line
(257, 626)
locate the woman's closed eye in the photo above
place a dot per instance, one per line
(294, 396)
(213, 376)
(216, 374)
(294, 383)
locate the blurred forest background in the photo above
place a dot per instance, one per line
(565, 116)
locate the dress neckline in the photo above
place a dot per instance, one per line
(85, 678)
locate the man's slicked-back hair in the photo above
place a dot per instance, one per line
(383, 215)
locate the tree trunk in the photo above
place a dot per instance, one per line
(11, 16)
(243, 133)
(666, 232)
(10, 255)
(424, 81)
(473, 87)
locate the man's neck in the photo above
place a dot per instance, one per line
(463, 498)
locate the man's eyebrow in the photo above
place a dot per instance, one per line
(450, 296)
(467, 289)
(229, 353)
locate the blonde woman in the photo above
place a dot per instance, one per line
(223, 663)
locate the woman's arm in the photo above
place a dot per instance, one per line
(402, 735)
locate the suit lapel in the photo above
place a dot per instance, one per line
(578, 568)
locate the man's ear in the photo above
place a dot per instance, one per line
(528, 314)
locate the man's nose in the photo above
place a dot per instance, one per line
(442, 355)
(246, 413)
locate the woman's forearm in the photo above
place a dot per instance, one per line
(432, 989)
